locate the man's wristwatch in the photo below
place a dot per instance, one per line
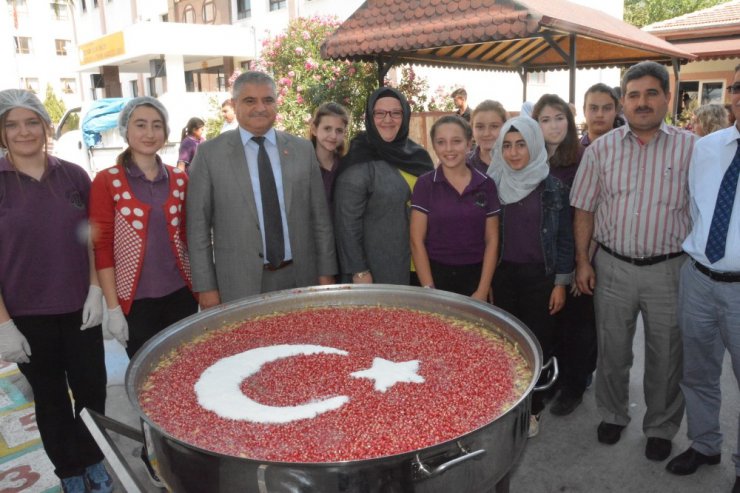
(360, 275)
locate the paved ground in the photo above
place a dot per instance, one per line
(565, 457)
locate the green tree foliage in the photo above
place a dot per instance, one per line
(643, 12)
(54, 105)
(215, 120)
(305, 81)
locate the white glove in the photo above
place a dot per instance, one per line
(13, 345)
(92, 312)
(116, 326)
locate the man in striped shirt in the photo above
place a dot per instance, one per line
(631, 196)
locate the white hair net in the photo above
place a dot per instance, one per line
(20, 98)
(125, 114)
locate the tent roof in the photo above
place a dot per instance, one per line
(493, 34)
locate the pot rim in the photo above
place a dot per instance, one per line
(445, 299)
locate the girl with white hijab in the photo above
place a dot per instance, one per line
(536, 245)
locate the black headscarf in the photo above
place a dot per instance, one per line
(402, 152)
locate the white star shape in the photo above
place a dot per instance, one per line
(388, 373)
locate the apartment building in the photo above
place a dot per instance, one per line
(38, 49)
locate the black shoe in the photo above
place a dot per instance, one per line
(609, 433)
(689, 461)
(565, 404)
(736, 488)
(658, 448)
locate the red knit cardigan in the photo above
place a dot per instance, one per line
(119, 222)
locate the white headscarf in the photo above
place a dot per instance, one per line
(514, 185)
(527, 108)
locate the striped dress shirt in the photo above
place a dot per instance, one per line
(638, 192)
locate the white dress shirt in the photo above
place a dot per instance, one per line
(251, 149)
(712, 155)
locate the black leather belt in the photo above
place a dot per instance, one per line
(715, 275)
(284, 263)
(641, 261)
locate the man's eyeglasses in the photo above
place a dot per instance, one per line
(394, 114)
(734, 88)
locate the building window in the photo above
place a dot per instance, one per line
(134, 88)
(19, 6)
(84, 6)
(59, 11)
(62, 46)
(30, 83)
(188, 15)
(22, 45)
(278, 4)
(536, 77)
(243, 9)
(209, 12)
(711, 92)
(69, 86)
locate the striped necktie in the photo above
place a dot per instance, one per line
(717, 239)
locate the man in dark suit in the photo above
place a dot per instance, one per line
(257, 219)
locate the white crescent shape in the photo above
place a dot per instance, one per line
(219, 387)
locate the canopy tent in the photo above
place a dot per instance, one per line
(507, 35)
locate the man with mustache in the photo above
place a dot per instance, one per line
(257, 218)
(631, 197)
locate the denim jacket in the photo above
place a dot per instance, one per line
(556, 231)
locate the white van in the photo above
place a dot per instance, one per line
(88, 135)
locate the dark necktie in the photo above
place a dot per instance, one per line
(271, 217)
(717, 239)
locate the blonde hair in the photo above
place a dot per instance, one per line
(331, 109)
(711, 117)
(490, 105)
(4, 138)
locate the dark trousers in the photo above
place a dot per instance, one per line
(576, 343)
(524, 291)
(148, 316)
(65, 358)
(461, 279)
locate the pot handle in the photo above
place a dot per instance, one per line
(466, 455)
(552, 362)
(98, 425)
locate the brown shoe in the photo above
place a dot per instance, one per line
(689, 461)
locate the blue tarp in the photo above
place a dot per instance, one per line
(102, 116)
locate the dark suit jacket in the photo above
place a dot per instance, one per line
(220, 200)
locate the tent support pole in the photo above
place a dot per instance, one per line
(572, 67)
(676, 80)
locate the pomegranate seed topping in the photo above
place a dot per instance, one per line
(420, 379)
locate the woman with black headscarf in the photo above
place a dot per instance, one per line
(372, 193)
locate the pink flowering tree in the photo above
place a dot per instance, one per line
(305, 80)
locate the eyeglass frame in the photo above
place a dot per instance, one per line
(381, 114)
(734, 88)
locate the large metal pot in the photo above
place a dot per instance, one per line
(474, 462)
